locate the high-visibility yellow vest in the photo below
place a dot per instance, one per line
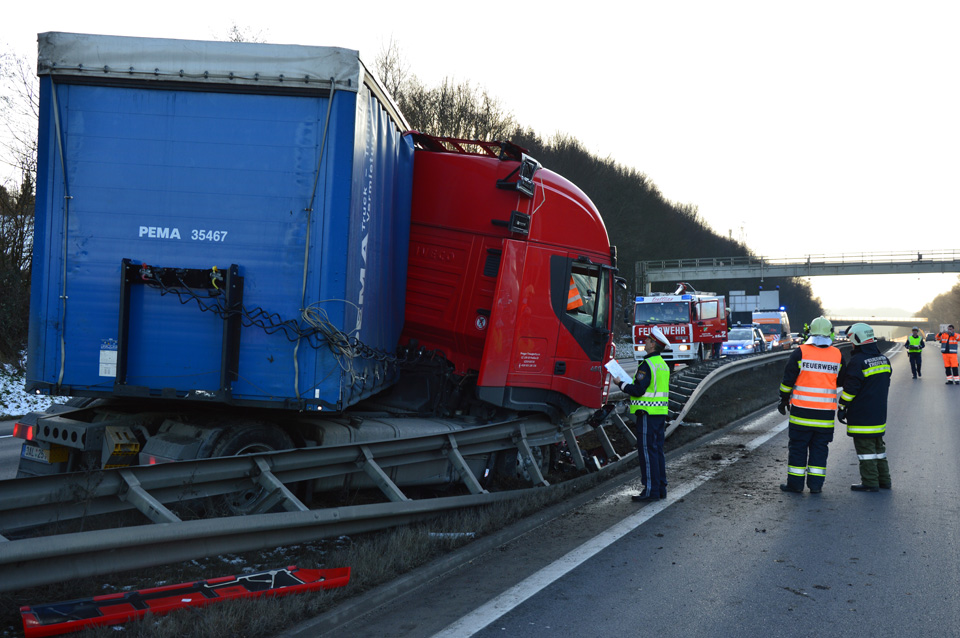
(913, 343)
(655, 398)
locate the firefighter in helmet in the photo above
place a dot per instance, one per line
(915, 348)
(649, 394)
(809, 388)
(863, 407)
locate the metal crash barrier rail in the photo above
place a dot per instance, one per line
(49, 501)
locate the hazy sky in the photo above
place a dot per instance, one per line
(801, 128)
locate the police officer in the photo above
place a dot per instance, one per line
(948, 348)
(863, 407)
(649, 394)
(914, 347)
(809, 386)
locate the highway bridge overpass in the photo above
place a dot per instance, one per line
(674, 270)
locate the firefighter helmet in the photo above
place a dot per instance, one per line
(822, 327)
(860, 333)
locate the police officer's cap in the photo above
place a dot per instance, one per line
(657, 334)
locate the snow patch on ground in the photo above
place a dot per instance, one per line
(14, 401)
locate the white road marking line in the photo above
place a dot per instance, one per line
(516, 595)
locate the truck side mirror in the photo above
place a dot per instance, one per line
(621, 282)
(627, 319)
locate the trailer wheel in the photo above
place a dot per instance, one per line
(252, 438)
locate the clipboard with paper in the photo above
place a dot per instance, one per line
(614, 368)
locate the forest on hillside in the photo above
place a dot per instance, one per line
(641, 222)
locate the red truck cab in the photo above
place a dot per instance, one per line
(509, 277)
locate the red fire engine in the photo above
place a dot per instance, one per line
(693, 321)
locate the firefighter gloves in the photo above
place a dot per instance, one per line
(782, 407)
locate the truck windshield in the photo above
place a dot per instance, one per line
(662, 312)
(770, 328)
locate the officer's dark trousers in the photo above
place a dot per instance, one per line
(807, 455)
(650, 432)
(915, 362)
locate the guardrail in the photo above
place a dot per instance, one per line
(46, 501)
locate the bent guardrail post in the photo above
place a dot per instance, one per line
(466, 475)
(627, 432)
(520, 439)
(278, 492)
(575, 451)
(375, 472)
(132, 492)
(605, 442)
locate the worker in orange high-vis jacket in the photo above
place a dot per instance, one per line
(574, 300)
(948, 348)
(809, 389)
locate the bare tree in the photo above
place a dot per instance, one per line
(20, 112)
(450, 109)
(237, 33)
(457, 110)
(392, 69)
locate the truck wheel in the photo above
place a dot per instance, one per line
(251, 438)
(511, 468)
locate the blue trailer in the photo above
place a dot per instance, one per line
(216, 221)
(221, 257)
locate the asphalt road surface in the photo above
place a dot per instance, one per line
(728, 553)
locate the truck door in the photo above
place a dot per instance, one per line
(549, 331)
(580, 295)
(707, 328)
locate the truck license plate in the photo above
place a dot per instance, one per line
(34, 453)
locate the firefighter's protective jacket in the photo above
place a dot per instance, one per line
(866, 382)
(810, 380)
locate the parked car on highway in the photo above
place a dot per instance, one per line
(795, 338)
(743, 340)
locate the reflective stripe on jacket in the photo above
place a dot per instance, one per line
(813, 398)
(948, 342)
(654, 400)
(574, 300)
